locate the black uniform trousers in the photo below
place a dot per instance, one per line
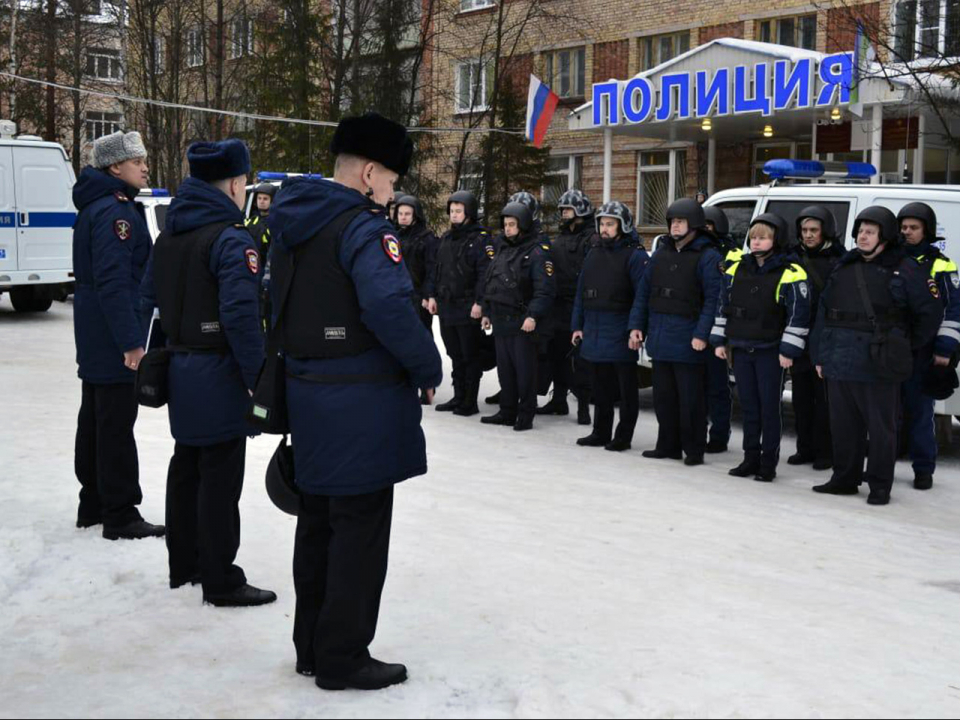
(105, 455)
(462, 343)
(339, 567)
(681, 408)
(610, 382)
(719, 400)
(760, 388)
(864, 410)
(517, 371)
(812, 413)
(203, 514)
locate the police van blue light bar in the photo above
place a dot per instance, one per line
(155, 192)
(812, 169)
(265, 175)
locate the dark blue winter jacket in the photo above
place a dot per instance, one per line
(209, 392)
(606, 335)
(356, 438)
(668, 337)
(111, 247)
(844, 353)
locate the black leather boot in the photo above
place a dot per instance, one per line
(374, 675)
(243, 596)
(749, 466)
(137, 530)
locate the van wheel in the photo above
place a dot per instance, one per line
(30, 299)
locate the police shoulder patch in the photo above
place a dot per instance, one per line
(253, 260)
(803, 288)
(122, 229)
(391, 246)
(934, 290)
(955, 280)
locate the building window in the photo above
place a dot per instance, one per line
(103, 64)
(473, 86)
(565, 72)
(663, 179)
(241, 38)
(468, 5)
(100, 124)
(159, 54)
(564, 172)
(661, 48)
(927, 29)
(800, 32)
(195, 49)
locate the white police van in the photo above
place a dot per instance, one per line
(155, 203)
(845, 201)
(274, 178)
(36, 220)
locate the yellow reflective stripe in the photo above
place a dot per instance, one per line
(734, 256)
(942, 265)
(732, 270)
(793, 273)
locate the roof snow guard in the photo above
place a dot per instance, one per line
(731, 78)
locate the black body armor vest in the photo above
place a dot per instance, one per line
(568, 255)
(456, 278)
(674, 286)
(322, 316)
(754, 312)
(844, 306)
(507, 283)
(606, 279)
(188, 294)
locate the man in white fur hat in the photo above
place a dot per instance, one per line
(111, 246)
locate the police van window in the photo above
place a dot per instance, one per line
(790, 209)
(739, 213)
(160, 211)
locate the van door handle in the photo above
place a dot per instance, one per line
(25, 219)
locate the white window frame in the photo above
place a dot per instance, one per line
(480, 98)
(471, 5)
(160, 54)
(670, 169)
(99, 123)
(196, 54)
(578, 72)
(942, 28)
(241, 43)
(798, 33)
(112, 56)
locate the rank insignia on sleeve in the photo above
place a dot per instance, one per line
(934, 290)
(122, 229)
(955, 279)
(253, 260)
(490, 251)
(391, 246)
(549, 268)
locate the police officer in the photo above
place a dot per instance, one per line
(762, 325)
(876, 309)
(455, 291)
(417, 243)
(356, 354)
(719, 401)
(111, 247)
(257, 223)
(918, 225)
(674, 313)
(577, 235)
(205, 279)
(518, 298)
(818, 252)
(601, 326)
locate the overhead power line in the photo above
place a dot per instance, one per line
(234, 113)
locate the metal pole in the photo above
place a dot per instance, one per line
(607, 164)
(876, 141)
(711, 166)
(14, 7)
(921, 147)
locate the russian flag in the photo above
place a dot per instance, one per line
(541, 105)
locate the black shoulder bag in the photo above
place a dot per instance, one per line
(891, 353)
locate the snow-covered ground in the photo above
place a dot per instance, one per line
(528, 578)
